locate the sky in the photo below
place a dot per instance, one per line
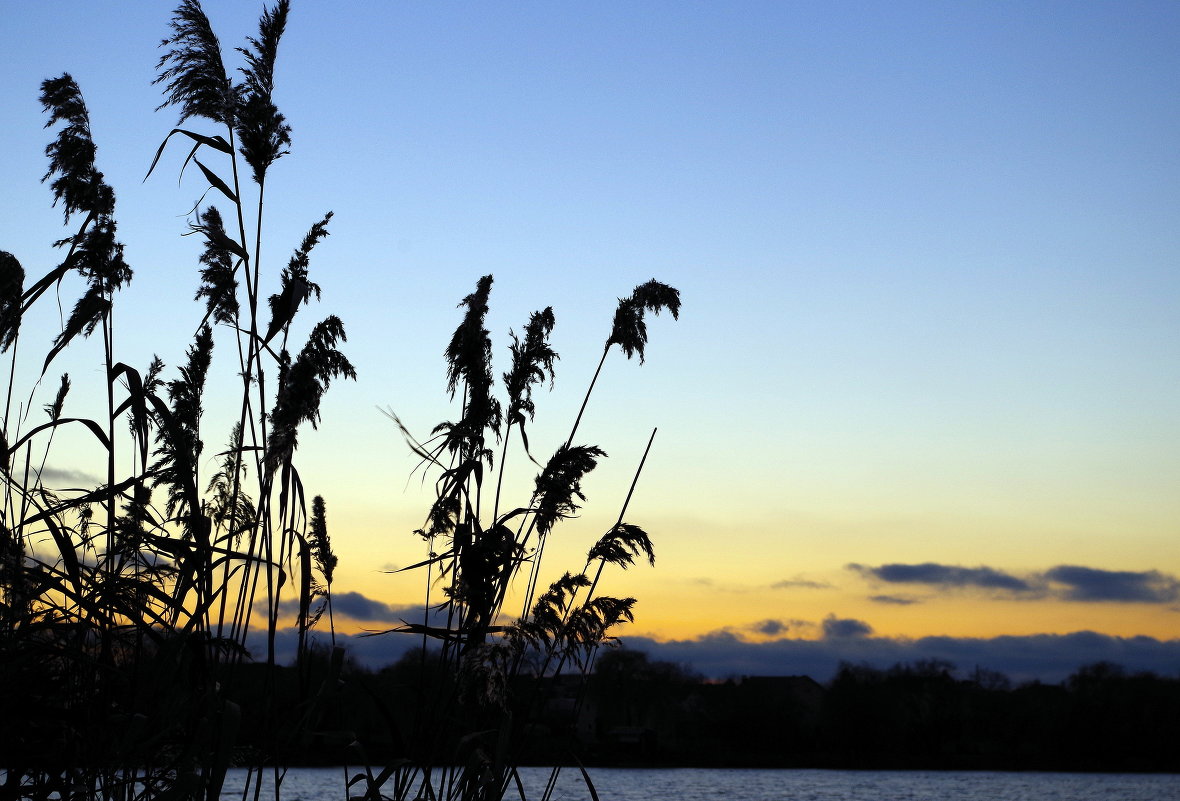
(923, 396)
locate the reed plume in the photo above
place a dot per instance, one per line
(469, 361)
(219, 284)
(263, 133)
(295, 288)
(561, 482)
(12, 284)
(80, 187)
(192, 70)
(629, 330)
(179, 431)
(621, 545)
(302, 384)
(532, 363)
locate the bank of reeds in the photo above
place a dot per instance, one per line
(127, 607)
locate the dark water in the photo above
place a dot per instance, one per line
(691, 784)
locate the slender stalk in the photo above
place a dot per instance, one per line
(577, 420)
(500, 474)
(622, 512)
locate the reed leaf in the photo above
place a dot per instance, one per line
(218, 143)
(216, 181)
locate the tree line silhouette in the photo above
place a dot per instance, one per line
(922, 715)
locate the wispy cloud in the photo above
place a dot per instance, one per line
(800, 584)
(57, 477)
(896, 600)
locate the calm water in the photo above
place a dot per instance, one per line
(690, 784)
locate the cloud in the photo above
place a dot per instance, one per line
(1092, 584)
(372, 652)
(359, 607)
(355, 606)
(723, 654)
(1061, 583)
(845, 628)
(57, 477)
(771, 628)
(1045, 657)
(800, 584)
(945, 576)
(898, 600)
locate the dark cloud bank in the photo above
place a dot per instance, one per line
(1045, 657)
(1048, 658)
(724, 654)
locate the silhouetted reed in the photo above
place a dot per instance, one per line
(125, 609)
(476, 723)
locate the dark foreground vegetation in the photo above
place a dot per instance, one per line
(126, 605)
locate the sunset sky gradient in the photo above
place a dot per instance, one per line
(926, 379)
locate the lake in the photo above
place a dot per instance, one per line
(693, 784)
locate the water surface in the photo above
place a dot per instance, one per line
(698, 784)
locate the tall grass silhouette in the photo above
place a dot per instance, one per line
(491, 670)
(126, 608)
(139, 616)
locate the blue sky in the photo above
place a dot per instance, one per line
(928, 254)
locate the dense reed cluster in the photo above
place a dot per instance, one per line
(125, 608)
(498, 666)
(131, 612)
